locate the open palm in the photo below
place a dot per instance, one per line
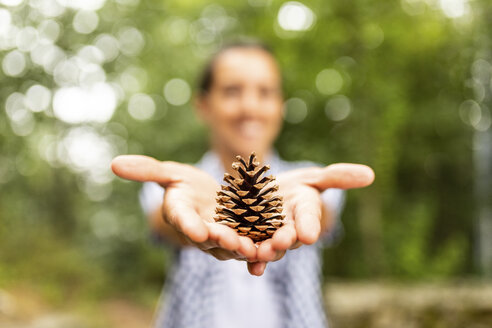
(188, 205)
(306, 218)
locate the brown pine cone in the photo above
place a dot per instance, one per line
(248, 203)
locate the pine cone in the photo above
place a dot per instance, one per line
(248, 203)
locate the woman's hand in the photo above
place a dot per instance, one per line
(188, 205)
(306, 218)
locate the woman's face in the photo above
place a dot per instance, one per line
(244, 105)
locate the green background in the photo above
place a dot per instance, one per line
(413, 85)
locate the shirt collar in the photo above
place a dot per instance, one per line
(210, 163)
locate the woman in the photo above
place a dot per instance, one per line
(240, 100)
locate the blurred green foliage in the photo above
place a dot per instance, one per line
(376, 82)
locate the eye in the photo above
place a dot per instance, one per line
(268, 92)
(232, 91)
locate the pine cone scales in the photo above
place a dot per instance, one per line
(248, 203)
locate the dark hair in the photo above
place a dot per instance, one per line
(206, 77)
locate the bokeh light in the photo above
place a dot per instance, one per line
(373, 36)
(38, 98)
(295, 16)
(295, 110)
(49, 31)
(91, 54)
(108, 45)
(11, 3)
(141, 106)
(133, 79)
(329, 81)
(85, 22)
(96, 103)
(27, 38)
(83, 4)
(177, 92)
(470, 112)
(14, 63)
(454, 8)
(47, 56)
(5, 20)
(66, 72)
(21, 119)
(48, 8)
(176, 30)
(91, 74)
(338, 108)
(84, 149)
(131, 41)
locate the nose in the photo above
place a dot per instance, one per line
(250, 102)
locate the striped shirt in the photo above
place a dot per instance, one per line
(203, 292)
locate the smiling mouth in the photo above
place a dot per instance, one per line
(250, 129)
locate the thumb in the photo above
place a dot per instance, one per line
(144, 168)
(344, 176)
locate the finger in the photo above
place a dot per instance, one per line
(296, 245)
(343, 176)
(204, 246)
(307, 217)
(187, 221)
(224, 236)
(266, 252)
(144, 168)
(247, 248)
(284, 237)
(256, 268)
